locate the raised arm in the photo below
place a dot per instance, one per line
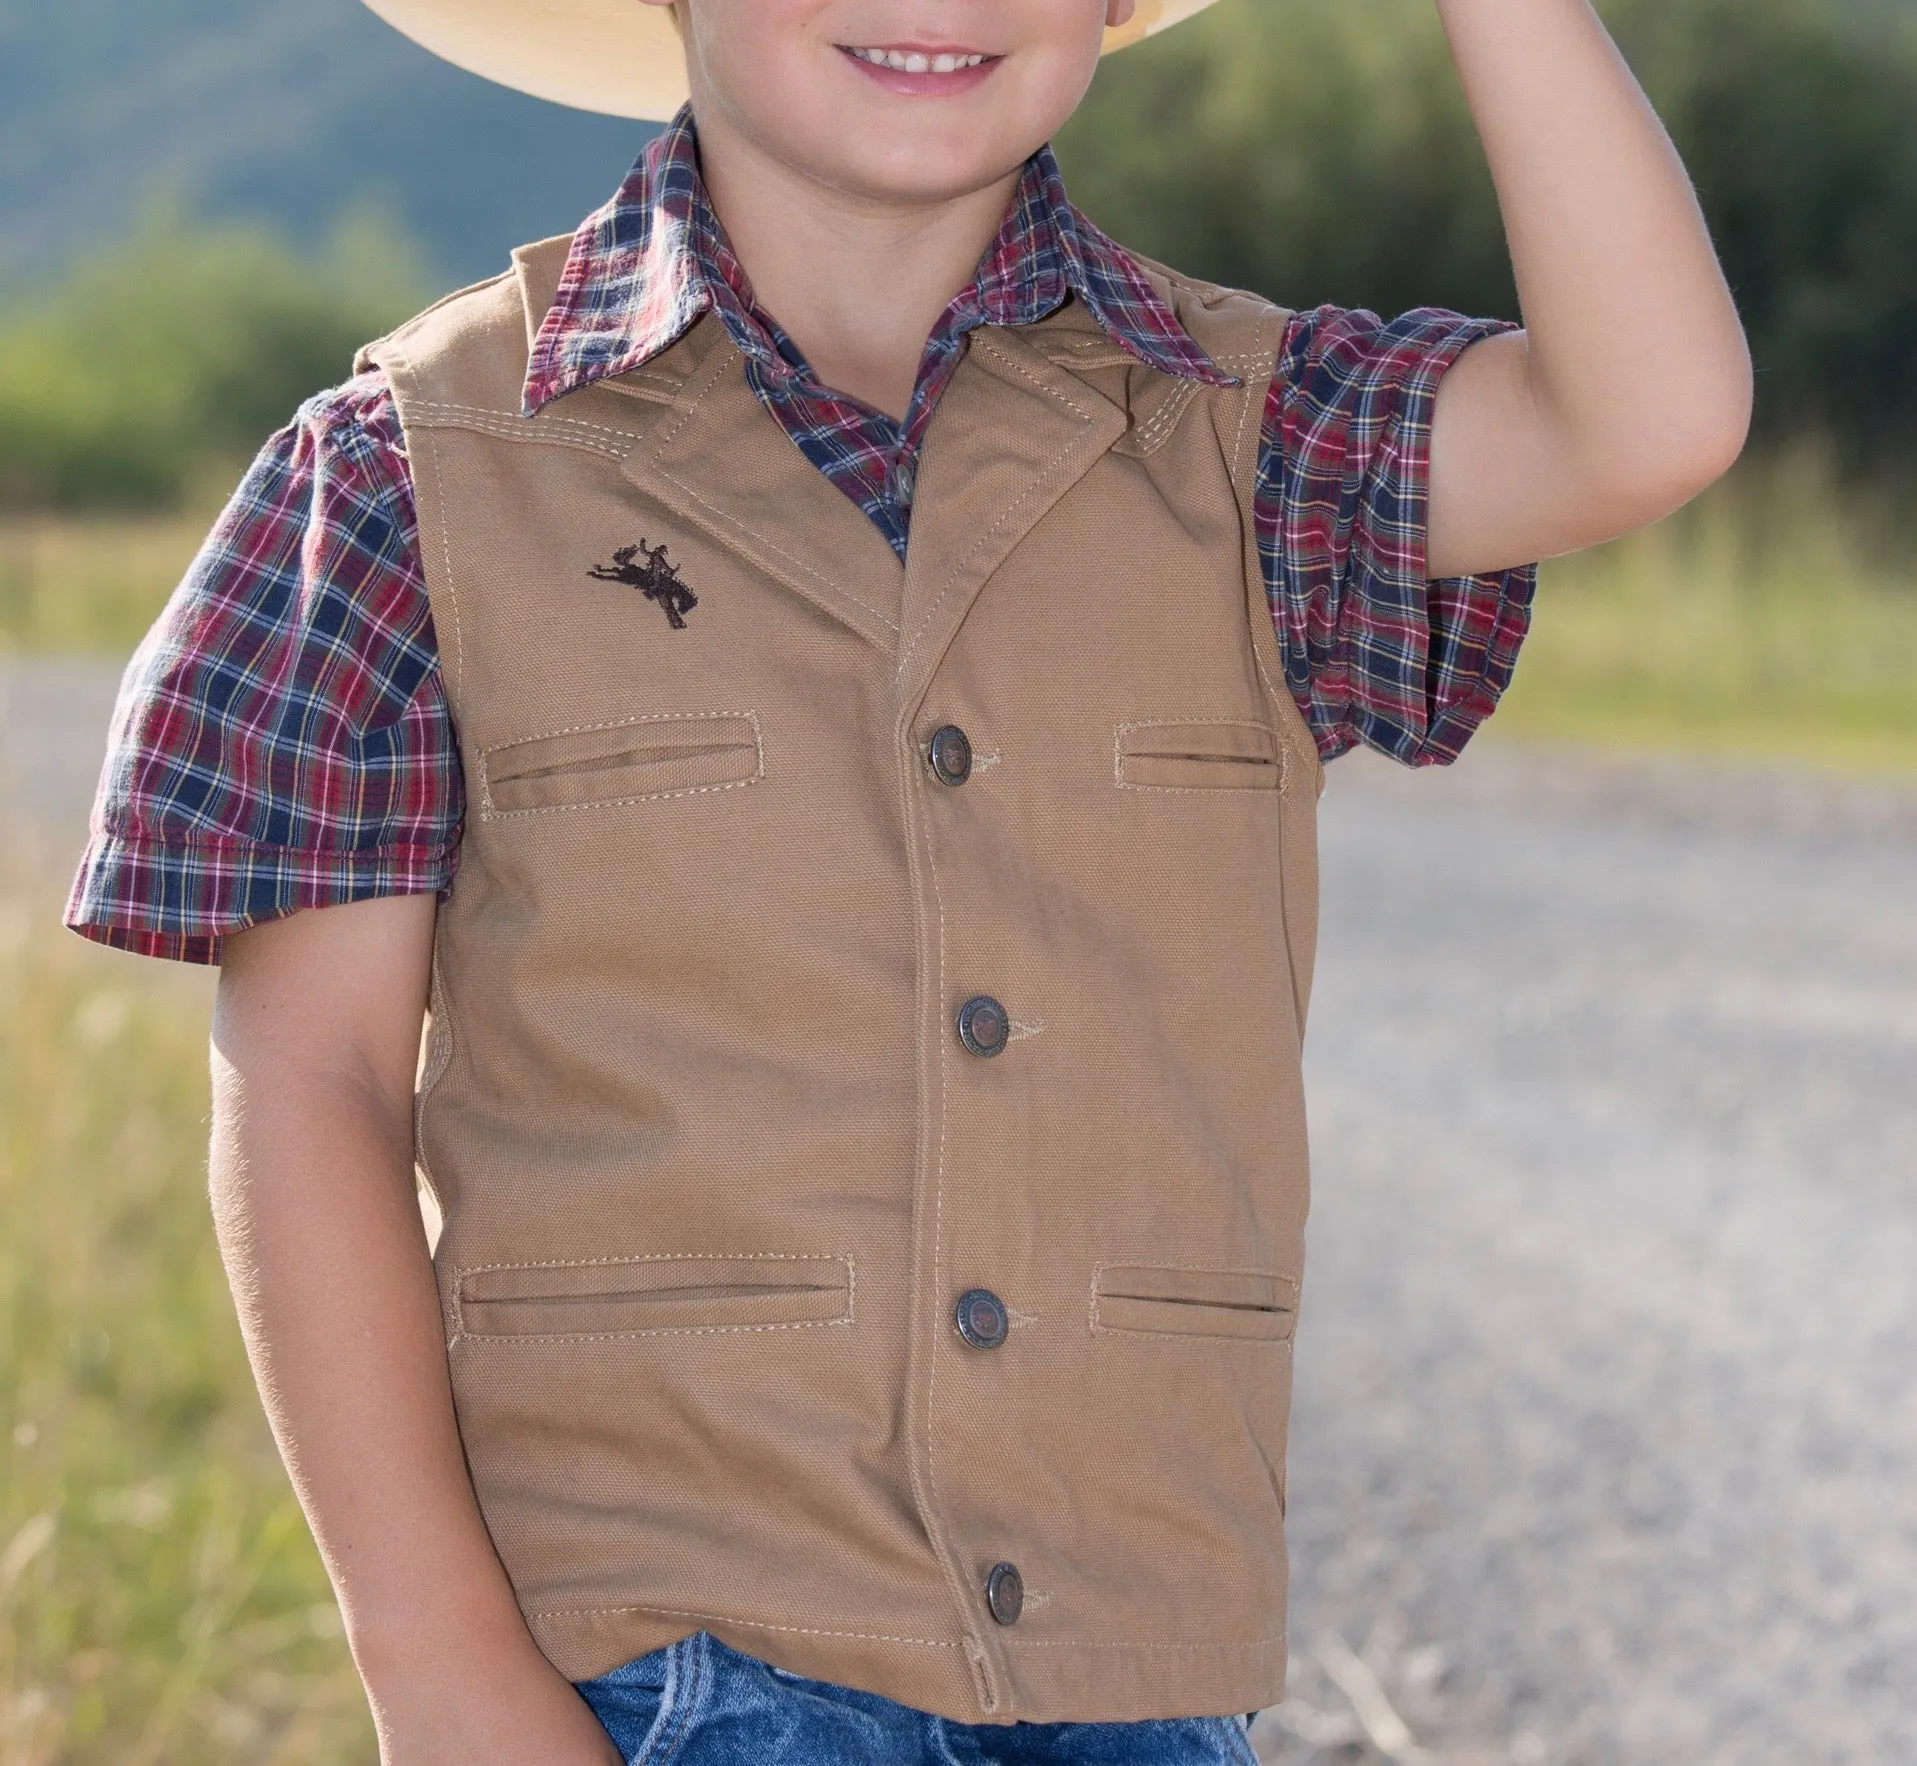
(315, 1040)
(1629, 391)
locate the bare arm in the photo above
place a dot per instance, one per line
(315, 1040)
(1630, 389)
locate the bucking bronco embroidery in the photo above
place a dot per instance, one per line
(657, 577)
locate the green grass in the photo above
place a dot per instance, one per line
(160, 1601)
(1770, 621)
(90, 585)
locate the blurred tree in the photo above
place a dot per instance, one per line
(1320, 150)
(1313, 149)
(1798, 119)
(177, 356)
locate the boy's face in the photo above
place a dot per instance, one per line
(804, 82)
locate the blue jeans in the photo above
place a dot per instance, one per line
(699, 1703)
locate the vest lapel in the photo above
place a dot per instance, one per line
(722, 464)
(1013, 433)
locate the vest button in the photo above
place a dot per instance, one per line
(1005, 1593)
(984, 1026)
(982, 1319)
(949, 754)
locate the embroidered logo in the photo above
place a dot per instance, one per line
(658, 577)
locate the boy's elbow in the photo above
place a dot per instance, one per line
(1710, 420)
(1717, 431)
(1684, 448)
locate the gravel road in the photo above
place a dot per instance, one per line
(1606, 1446)
(53, 726)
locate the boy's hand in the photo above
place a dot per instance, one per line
(509, 1709)
(1630, 389)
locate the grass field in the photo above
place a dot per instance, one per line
(90, 585)
(1770, 621)
(160, 1602)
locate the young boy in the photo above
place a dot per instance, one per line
(863, 1087)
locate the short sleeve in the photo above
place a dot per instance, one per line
(1374, 652)
(281, 738)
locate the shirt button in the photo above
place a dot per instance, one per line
(949, 754)
(902, 480)
(984, 1026)
(1005, 1593)
(982, 1319)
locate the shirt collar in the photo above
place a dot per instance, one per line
(643, 268)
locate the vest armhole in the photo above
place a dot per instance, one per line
(1257, 366)
(1304, 770)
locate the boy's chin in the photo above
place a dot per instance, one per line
(915, 171)
(888, 158)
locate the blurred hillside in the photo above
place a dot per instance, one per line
(293, 111)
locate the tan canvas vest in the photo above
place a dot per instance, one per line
(715, 1163)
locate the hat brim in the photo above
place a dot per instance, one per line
(618, 57)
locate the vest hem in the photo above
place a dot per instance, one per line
(1092, 1682)
(1063, 1680)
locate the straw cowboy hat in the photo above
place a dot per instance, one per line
(615, 56)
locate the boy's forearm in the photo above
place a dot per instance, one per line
(313, 1192)
(323, 1242)
(1635, 375)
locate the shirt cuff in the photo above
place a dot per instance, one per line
(178, 898)
(1396, 661)
(1474, 625)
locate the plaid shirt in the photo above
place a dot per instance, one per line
(282, 738)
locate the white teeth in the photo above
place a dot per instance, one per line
(911, 62)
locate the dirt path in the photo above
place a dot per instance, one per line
(1606, 1448)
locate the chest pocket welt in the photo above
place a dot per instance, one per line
(654, 1296)
(670, 755)
(1167, 1302)
(1221, 754)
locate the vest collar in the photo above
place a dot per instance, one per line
(642, 269)
(1015, 430)
(717, 464)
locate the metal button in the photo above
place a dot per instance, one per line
(984, 1026)
(949, 755)
(1005, 1593)
(904, 481)
(982, 1319)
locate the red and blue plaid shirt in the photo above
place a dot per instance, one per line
(282, 738)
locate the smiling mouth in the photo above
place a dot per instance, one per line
(918, 61)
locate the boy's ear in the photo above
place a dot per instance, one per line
(1119, 12)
